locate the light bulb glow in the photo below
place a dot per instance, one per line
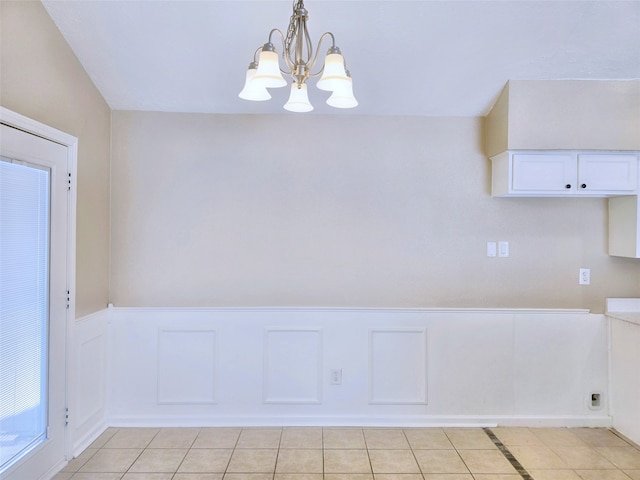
(333, 72)
(253, 90)
(268, 74)
(342, 96)
(298, 99)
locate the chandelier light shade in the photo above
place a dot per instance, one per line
(298, 99)
(333, 72)
(253, 90)
(342, 96)
(268, 73)
(300, 61)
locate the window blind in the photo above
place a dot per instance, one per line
(24, 299)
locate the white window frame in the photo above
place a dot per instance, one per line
(34, 127)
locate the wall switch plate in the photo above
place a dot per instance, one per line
(503, 248)
(492, 249)
(585, 276)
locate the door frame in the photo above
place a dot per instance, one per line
(28, 125)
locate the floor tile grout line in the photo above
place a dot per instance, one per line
(189, 448)
(624, 439)
(233, 451)
(496, 443)
(366, 449)
(275, 466)
(413, 453)
(141, 452)
(508, 455)
(457, 450)
(322, 429)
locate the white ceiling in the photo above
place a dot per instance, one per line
(420, 57)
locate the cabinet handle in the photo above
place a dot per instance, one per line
(568, 185)
(584, 185)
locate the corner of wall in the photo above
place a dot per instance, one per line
(496, 124)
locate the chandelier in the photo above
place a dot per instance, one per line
(298, 55)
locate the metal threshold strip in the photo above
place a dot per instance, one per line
(508, 455)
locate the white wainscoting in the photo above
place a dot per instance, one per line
(625, 378)
(186, 367)
(398, 366)
(271, 366)
(89, 352)
(293, 366)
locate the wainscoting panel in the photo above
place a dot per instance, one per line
(538, 344)
(398, 366)
(625, 379)
(411, 367)
(91, 377)
(292, 366)
(186, 366)
(88, 379)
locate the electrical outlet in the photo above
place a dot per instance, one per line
(335, 376)
(585, 276)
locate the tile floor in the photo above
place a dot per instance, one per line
(355, 454)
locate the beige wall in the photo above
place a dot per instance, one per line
(41, 78)
(238, 210)
(214, 210)
(565, 114)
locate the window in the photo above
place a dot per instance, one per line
(24, 307)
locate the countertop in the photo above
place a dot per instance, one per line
(625, 309)
(631, 317)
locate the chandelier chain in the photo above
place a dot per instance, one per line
(291, 30)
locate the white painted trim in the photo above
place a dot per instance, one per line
(345, 335)
(96, 408)
(265, 382)
(92, 317)
(29, 125)
(406, 421)
(85, 431)
(626, 305)
(53, 471)
(268, 309)
(81, 444)
(398, 401)
(26, 124)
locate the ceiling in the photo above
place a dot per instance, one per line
(420, 57)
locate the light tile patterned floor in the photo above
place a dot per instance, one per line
(355, 454)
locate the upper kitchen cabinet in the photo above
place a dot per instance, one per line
(607, 173)
(565, 138)
(564, 173)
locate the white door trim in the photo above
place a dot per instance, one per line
(34, 127)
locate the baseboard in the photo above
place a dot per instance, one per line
(87, 439)
(361, 421)
(568, 421)
(53, 471)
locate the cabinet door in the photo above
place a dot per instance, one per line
(544, 172)
(607, 173)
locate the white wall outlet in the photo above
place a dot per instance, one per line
(335, 376)
(585, 276)
(503, 248)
